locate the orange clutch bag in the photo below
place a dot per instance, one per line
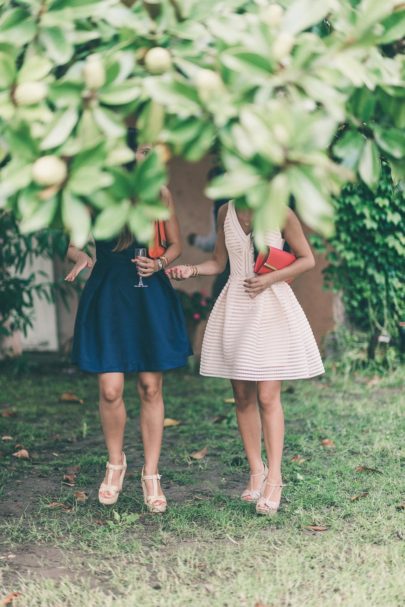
(159, 244)
(273, 259)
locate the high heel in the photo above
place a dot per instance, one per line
(108, 487)
(252, 495)
(152, 501)
(265, 505)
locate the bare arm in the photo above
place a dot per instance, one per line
(305, 261)
(80, 259)
(212, 266)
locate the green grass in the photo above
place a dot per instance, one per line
(209, 548)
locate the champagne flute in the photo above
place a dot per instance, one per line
(140, 252)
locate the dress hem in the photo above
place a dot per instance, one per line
(244, 378)
(135, 369)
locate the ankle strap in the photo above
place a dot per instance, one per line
(115, 466)
(151, 477)
(274, 484)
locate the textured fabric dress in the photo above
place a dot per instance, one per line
(265, 338)
(123, 328)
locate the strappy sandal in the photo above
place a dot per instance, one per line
(250, 494)
(108, 487)
(155, 503)
(265, 505)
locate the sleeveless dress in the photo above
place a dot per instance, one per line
(122, 328)
(265, 338)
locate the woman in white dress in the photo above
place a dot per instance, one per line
(257, 335)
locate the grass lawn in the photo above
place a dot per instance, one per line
(338, 540)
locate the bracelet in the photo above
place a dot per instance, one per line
(164, 260)
(194, 270)
(160, 264)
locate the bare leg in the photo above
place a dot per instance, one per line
(272, 416)
(113, 417)
(250, 427)
(150, 387)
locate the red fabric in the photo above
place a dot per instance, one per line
(159, 245)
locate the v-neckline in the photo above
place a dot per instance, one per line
(246, 235)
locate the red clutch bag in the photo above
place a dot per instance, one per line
(273, 259)
(159, 244)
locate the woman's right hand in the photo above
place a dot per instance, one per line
(83, 261)
(180, 272)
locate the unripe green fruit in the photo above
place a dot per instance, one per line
(158, 60)
(283, 45)
(49, 170)
(272, 15)
(30, 93)
(94, 72)
(208, 83)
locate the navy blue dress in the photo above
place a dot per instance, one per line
(123, 328)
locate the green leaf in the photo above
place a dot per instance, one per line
(392, 141)
(123, 186)
(41, 218)
(60, 129)
(34, 68)
(177, 96)
(150, 176)
(201, 144)
(14, 177)
(93, 157)
(301, 14)
(141, 225)
(362, 104)
(65, 93)
(17, 27)
(370, 165)
(233, 185)
(57, 46)
(22, 145)
(247, 64)
(111, 221)
(349, 148)
(108, 122)
(89, 179)
(76, 217)
(313, 203)
(120, 94)
(7, 71)
(150, 122)
(394, 27)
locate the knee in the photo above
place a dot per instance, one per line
(244, 400)
(149, 392)
(111, 394)
(269, 401)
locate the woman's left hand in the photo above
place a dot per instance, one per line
(257, 284)
(145, 266)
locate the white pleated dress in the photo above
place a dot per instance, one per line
(265, 338)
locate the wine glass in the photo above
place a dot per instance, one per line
(140, 252)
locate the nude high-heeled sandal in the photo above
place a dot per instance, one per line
(250, 494)
(108, 487)
(155, 503)
(265, 505)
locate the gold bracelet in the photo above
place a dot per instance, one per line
(195, 271)
(165, 261)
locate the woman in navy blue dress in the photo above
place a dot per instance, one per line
(120, 328)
